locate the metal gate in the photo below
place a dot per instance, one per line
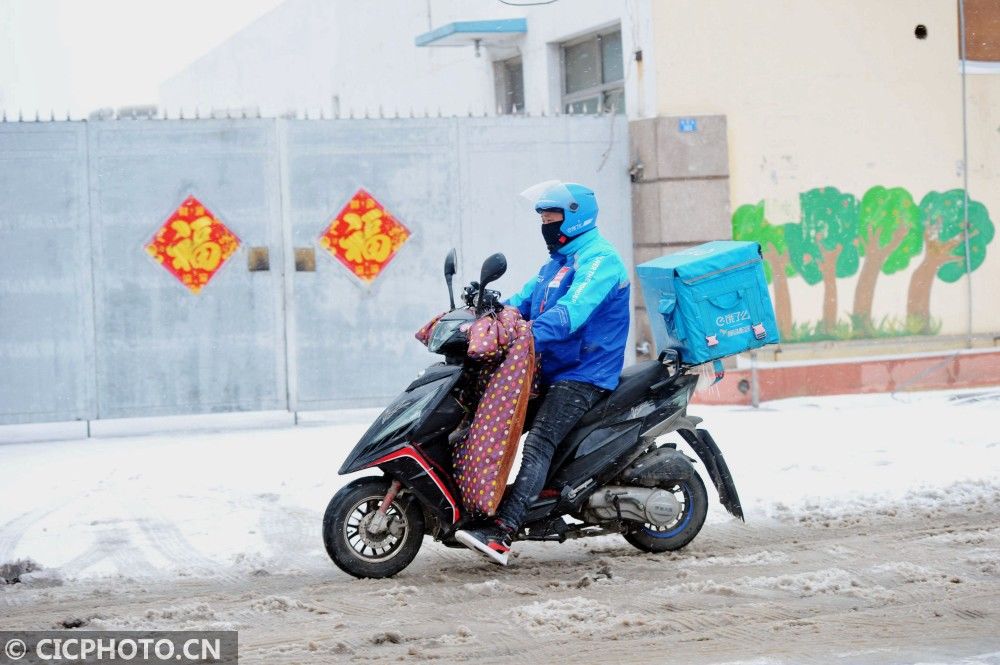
(46, 297)
(93, 327)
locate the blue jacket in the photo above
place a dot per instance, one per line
(579, 308)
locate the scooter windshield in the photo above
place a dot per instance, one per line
(549, 194)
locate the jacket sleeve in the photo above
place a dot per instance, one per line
(594, 280)
(522, 299)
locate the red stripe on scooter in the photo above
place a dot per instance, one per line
(418, 458)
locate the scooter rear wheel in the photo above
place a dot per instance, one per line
(652, 538)
(357, 549)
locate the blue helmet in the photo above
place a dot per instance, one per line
(577, 203)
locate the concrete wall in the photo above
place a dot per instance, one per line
(330, 55)
(93, 327)
(839, 94)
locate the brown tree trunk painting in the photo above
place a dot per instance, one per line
(918, 297)
(829, 268)
(782, 296)
(864, 292)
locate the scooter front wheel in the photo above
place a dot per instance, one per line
(693, 500)
(353, 538)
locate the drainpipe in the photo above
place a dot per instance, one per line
(965, 173)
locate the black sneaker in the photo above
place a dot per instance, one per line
(491, 540)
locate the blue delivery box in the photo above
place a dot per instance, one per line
(709, 301)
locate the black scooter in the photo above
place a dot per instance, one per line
(609, 475)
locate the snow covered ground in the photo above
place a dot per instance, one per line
(862, 512)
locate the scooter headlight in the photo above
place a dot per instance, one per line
(443, 332)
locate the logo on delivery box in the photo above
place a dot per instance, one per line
(726, 321)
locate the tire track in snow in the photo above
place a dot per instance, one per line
(13, 531)
(789, 602)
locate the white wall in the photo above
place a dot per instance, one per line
(837, 93)
(983, 92)
(306, 52)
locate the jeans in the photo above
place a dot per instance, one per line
(562, 407)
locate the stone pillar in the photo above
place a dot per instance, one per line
(680, 192)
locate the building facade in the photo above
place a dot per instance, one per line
(858, 142)
(420, 57)
(855, 144)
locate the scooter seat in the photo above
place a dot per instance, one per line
(632, 386)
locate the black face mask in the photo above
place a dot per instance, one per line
(554, 239)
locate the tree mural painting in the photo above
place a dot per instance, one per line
(750, 223)
(889, 231)
(821, 246)
(941, 222)
(889, 234)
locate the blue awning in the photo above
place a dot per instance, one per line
(464, 33)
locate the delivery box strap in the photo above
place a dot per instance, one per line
(699, 278)
(759, 331)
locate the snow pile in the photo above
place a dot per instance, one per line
(815, 460)
(488, 588)
(283, 604)
(387, 637)
(925, 500)
(976, 537)
(764, 558)
(400, 595)
(27, 573)
(831, 581)
(11, 572)
(41, 579)
(192, 616)
(461, 635)
(577, 615)
(185, 613)
(573, 615)
(987, 560)
(907, 571)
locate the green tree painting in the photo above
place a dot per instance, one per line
(889, 233)
(822, 247)
(750, 223)
(941, 223)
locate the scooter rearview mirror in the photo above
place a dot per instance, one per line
(450, 268)
(493, 267)
(450, 263)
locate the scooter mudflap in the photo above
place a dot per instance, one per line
(704, 445)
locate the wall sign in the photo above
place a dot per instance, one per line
(364, 236)
(192, 244)
(687, 125)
